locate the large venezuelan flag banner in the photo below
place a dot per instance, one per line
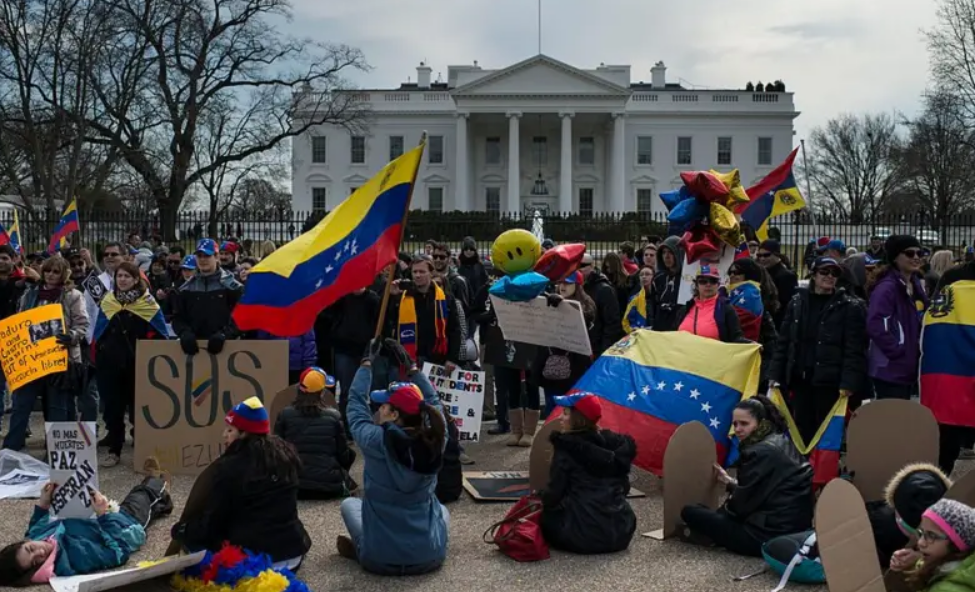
(773, 196)
(948, 355)
(650, 383)
(342, 253)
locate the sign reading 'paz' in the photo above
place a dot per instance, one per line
(181, 400)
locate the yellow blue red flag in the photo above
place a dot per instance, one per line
(948, 355)
(773, 196)
(68, 223)
(635, 316)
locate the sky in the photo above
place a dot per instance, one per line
(838, 56)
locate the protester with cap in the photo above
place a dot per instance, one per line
(946, 539)
(820, 353)
(584, 506)
(316, 432)
(709, 314)
(397, 527)
(187, 269)
(203, 305)
(895, 520)
(228, 257)
(253, 500)
(898, 301)
(769, 256)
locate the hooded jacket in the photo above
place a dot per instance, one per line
(584, 507)
(894, 328)
(666, 287)
(607, 327)
(472, 269)
(202, 306)
(786, 282)
(956, 576)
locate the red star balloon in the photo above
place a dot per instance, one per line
(557, 263)
(705, 185)
(699, 241)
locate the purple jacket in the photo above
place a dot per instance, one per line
(894, 329)
(302, 351)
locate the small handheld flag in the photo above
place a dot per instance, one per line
(69, 223)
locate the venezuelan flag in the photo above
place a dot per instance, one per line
(948, 355)
(342, 253)
(69, 223)
(5, 238)
(773, 196)
(15, 241)
(650, 383)
(742, 252)
(635, 316)
(746, 298)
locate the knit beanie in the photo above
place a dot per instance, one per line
(898, 243)
(914, 489)
(956, 520)
(249, 416)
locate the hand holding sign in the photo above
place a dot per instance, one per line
(47, 493)
(99, 502)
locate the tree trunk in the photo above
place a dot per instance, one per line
(167, 220)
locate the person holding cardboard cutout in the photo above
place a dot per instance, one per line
(946, 539)
(584, 507)
(773, 493)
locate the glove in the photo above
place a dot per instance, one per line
(187, 341)
(373, 350)
(64, 339)
(215, 343)
(554, 300)
(396, 349)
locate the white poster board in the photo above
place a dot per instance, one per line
(116, 579)
(20, 484)
(73, 456)
(462, 393)
(536, 322)
(723, 259)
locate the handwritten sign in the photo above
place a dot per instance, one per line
(536, 322)
(723, 259)
(462, 393)
(73, 456)
(181, 400)
(28, 350)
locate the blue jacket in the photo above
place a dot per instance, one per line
(402, 521)
(88, 546)
(302, 350)
(894, 328)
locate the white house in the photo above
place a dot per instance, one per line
(544, 135)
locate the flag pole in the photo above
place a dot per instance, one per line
(392, 266)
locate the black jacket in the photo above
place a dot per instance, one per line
(426, 327)
(351, 322)
(473, 272)
(774, 494)
(957, 274)
(11, 291)
(840, 342)
(203, 305)
(786, 282)
(665, 288)
(729, 327)
(584, 507)
(607, 327)
(450, 480)
(116, 346)
(321, 445)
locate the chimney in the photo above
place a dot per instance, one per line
(423, 75)
(658, 75)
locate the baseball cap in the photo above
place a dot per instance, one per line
(313, 380)
(404, 396)
(189, 262)
(585, 403)
(573, 278)
(207, 246)
(822, 262)
(709, 271)
(229, 247)
(833, 245)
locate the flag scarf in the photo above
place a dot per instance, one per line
(635, 316)
(746, 298)
(407, 330)
(948, 355)
(650, 383)
(773, 196)
(342, 253)
(145, 307)
(69, 223)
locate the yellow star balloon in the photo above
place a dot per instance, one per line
(736, 193)
(725, 225)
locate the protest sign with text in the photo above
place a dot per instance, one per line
(462, 393)
(536, 322)
(73, 456)
(28, 350)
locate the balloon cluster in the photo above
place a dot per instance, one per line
(528, 271)
(702, 209)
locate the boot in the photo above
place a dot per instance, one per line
(530, 425)
(516, 418)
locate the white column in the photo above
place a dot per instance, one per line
(514, 163)
(565, 170)
(461, 186)
(617, 169)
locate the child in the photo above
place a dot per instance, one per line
(946, 538)
(450, 479)
(254, 501)
(317, 434)
(74, 546)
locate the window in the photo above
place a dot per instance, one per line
(585, 201)
(353, 190)
(435, 199)
(683, 150)
(492, 199)
(319, 199)
(492, 151)
(358, 155)
(587, 150)
(724, 150)
(644, 201)
(539, 150)
(319, 150)
(644, 150)
(435, 150)
(765, 151)
(395, 147)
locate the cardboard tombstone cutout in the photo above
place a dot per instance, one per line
(688, 476)
(540, 457)
(195, 503)
(963, 490)
(845, 539)
(876, 447)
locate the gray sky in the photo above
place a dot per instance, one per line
(836, 55)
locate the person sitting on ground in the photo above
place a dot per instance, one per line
(74, 546)
(773, 494)
(946, 538)
(317, 434)
(450, 479)
(584, 507)
(254, 500)
(895, 520)
(398, 527)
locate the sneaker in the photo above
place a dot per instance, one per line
(110, 461)
(966, 454)
(466, 460)
(346, 547)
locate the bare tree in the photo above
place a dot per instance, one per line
(853, 165)
(951, 47)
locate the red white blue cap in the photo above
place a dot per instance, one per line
(708, 270)
(574, 278)
(585, 403)
(404, 396)
(249, 416)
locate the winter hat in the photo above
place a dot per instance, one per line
(548, 244)
(915, 488)
(469, 243)
(956, 520)
(585, 403)
(771, 245)
(404, 396)
(748, 268)
(249, 416)
(315, 380)
(899, 243)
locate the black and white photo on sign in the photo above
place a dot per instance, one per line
(40, 331)
(94, 286)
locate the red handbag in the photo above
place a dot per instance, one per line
(519, 535)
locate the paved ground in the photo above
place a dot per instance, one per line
(472, 565)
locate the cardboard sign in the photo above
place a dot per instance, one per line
(689, 476)
(876, 447)
(845, 539)
(181, 400)
(73, 455)
(125, 578)
(963, 490)
(498, 351)
(689, 271)
(540, 457)
(28, 350)
(497, 486)
(462, 393)
(536, 322)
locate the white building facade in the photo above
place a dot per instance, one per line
(544, 135)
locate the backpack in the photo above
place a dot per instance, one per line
(796, 558)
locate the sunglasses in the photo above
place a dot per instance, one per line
(440, 257)
(707, 281)
(912, 253)
(830, 271)
(763, 255)
(735, 272)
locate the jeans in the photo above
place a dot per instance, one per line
(147, 501)
(721, 529)
(893, 390)
(345, 368)
(351, 510)
(58, 407)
